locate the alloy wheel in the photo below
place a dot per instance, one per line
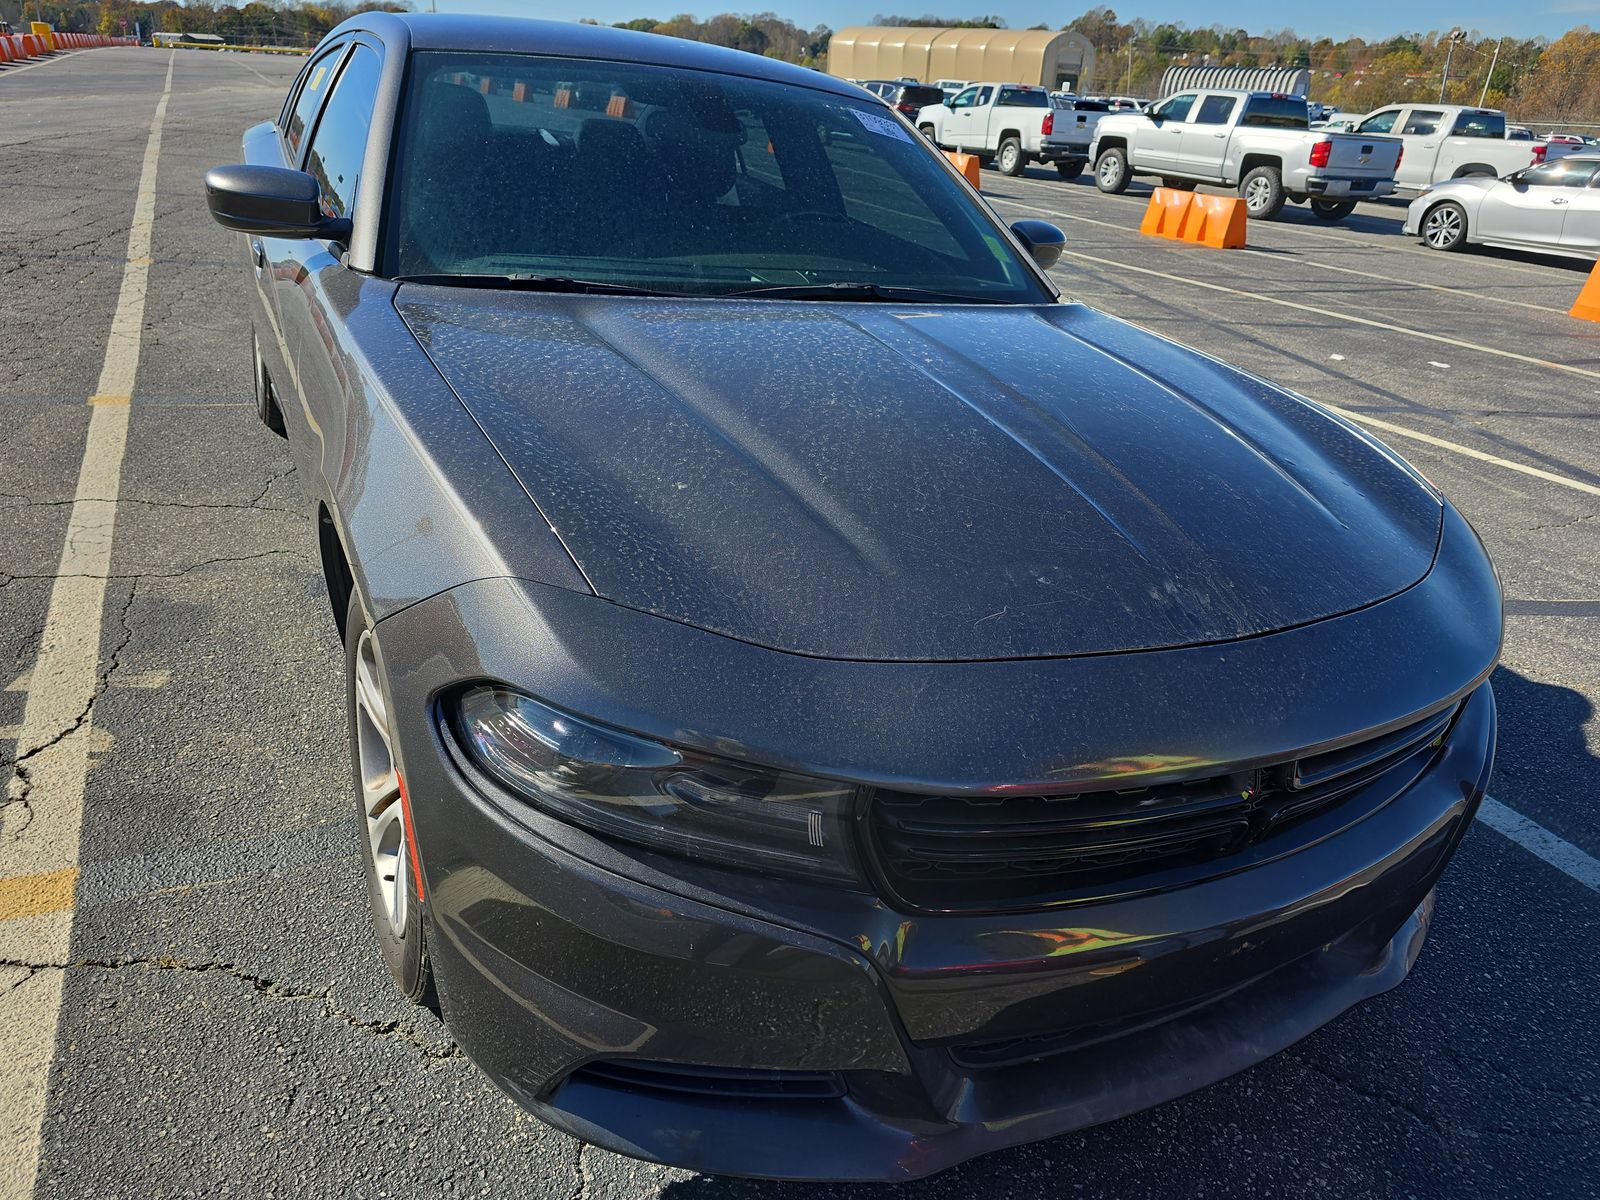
(1442, 229)
(380, 787)
(1258, 195)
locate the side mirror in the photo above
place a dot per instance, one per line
(272, 202)
(1041, 239)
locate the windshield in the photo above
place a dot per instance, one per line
(675, 181)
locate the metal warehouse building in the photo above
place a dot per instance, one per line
(1055, 58)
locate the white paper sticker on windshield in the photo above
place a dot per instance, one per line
(883, 125)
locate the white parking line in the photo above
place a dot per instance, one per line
(1306, 262)
(39, 860)
(1333, 314)
(1539, 841)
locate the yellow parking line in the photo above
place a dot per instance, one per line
(54, 741)
(31, 895)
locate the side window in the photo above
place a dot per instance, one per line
(1563, 173)
(1422, 121)
(965, 99)
(1215, 110)
(340, 140)
(1381, 122)
(317, 80)
(1175, 109)
(983, 96)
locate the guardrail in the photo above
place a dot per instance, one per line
(300, 50)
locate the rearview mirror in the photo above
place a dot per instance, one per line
(272, 202)
(1042, 240)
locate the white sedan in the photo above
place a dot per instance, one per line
(1553, 208)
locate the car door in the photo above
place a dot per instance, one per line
(275, 260)
(1581, 229)
(969, 123)
(1422, 131)
(323, 288)
(1530, 207)
(1160, 141)
(1204, 147)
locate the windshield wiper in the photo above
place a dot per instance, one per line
(534, 283)
(847, 290)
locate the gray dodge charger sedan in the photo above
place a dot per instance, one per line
(821, 705)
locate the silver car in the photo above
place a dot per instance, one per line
(1553, 208)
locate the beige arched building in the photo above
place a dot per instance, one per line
(1058, 59)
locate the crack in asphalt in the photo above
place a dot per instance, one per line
(20, 789)
(261, 984)
(9, 579)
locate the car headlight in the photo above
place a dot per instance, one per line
(621, 786)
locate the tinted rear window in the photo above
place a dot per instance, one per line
(1089, 106)
(1274, 112)
(1480, 125)
(1021, 98)
(920, 96)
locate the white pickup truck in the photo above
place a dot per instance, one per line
(1076, 121)
(1008, 124)
(1447, 141)
(1258, 142)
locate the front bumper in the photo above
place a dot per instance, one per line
(560, 958)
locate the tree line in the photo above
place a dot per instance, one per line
(1534, 79)
(1538, 81)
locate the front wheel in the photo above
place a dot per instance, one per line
(1010, 160)
(1333, 210)
(1262, 188)
(927, 132)
(1445, 227)
(1070, 170)
(1111, 171)
(388, 841)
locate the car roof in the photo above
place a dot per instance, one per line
(564, 39)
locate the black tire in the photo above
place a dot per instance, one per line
(266, 403)
(1070, 170)
(1333, 210)
(1111, 174)
(1178, 185)
(1262, 189)
(1444, 227)
(1009, 158)
(927, 132)
(406, 954)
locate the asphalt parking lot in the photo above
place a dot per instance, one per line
(222, 1022)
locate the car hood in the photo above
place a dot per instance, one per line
(929, 483)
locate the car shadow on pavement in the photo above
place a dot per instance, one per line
(1297, 1126)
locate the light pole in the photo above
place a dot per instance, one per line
(1456, 35)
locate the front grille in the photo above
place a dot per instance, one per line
(741, 1083)
(954, 853)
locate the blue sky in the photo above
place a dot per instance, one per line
(1362, 18)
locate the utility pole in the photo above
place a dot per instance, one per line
(1455, 36)
(1487, 79)
(1128, 86)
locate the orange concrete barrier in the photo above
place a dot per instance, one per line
(563, 98)
(1587, 306)
(1216, 221)
(1165, 214)
(619, 106)
(967, 164)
